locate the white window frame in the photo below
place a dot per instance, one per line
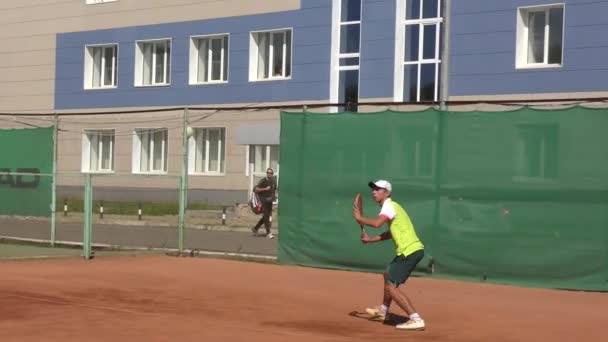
(250, 164)
(195, 140)
(337, 56)
(90, 139)
(139, 62)
(93, 2)
(137, 150)
(89, 66)
(521, 49)
(400, 33)
(254, 56)
(194, 58)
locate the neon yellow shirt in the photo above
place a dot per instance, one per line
(402, 230)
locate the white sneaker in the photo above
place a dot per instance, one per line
(377, 314)
(412, 324)
(270, 236)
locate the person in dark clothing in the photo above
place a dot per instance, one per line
(266, 189)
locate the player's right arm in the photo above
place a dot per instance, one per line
(259, 188)
(384, 236)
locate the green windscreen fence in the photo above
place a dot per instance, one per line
(26, 163)
(516, 197)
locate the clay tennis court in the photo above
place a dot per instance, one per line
(162, 298)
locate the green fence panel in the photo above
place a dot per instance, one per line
(26, 151)
(513, 197)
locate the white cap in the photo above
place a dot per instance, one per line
(382, 184)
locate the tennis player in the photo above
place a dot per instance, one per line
(408, 248)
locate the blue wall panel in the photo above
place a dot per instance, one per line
(376, 70)
(310, 73)
(483, 41)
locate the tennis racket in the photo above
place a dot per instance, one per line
(359, 202)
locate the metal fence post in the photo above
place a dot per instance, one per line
(182, 204)
(88, 209)
(54, 184)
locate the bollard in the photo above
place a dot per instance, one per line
(224, 216)
(101, 209)
(139, 211)
(65, 207)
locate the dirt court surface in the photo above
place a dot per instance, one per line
(158, 298)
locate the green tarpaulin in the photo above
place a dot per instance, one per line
(27, 151)
(515, 197)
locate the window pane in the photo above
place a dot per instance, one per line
(349, 89)
(106, 150)
(430, 35)
(412, 9)
(412, 38)
(288, 57)
(274, 157)
(350, 61)
(351, 10)
(203, 58)
(536, 37)
(108, 66)
(259, 158)
(216, 59)
(427, 82)
(144, 137)
(93, 140)
(159, 143)
(349, 38)
(199, 158)
(556, 28)
(168, 57)
(410, 85)
(96, 67)
(278, 40)
(159, 68)
(263, 54)
(225, 64)
(214, 141)
(147, 72)
(430, 9)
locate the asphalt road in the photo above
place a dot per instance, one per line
(143, 236)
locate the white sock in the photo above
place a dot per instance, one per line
(384, 308)
(415, 316)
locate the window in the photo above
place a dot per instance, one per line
(418, 66)
(536, 152)
(98, 151)
(209, 59)
(270, 55)
(540, 36)
(91, 2)
(153, 63)
(207, 149)
(346, 48)
(150, 150)
(100, 66)
(261, 157)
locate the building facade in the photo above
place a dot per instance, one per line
(233, 63)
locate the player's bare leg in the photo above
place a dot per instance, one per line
(415, 322)
(381, 312)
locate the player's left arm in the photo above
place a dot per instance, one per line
(384, 236)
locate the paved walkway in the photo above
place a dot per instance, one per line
(221, 239)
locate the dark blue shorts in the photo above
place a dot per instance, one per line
(402, 266)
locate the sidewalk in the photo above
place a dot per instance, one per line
(204, 235)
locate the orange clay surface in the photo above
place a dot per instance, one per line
(158, 298)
